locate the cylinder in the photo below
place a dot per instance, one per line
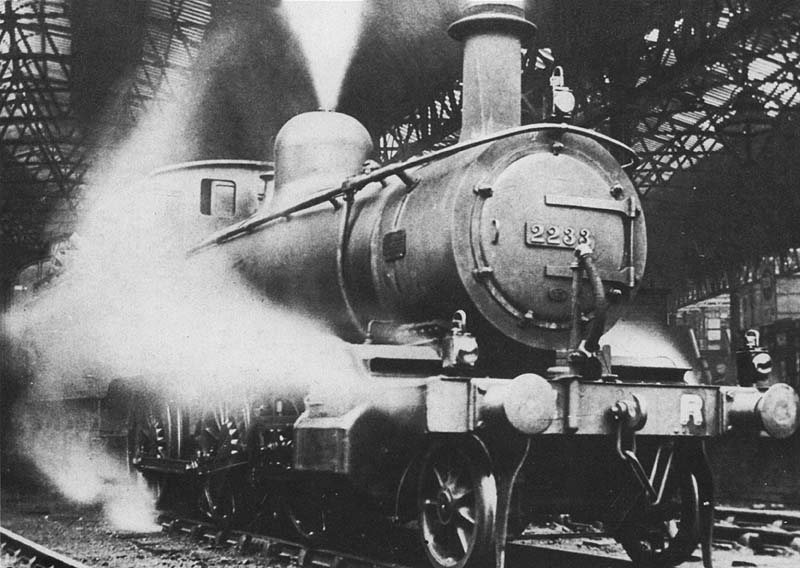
(316, 151)
(492, 32)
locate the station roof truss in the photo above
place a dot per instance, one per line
(695, 73)
(46, 148)
(685, 74)
(691, 67)
(787, 263)
(174, 33)
(42, 145)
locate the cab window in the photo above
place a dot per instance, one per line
(218, 197)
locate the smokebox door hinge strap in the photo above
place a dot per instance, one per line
(627, 209)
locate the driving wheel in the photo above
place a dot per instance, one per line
(457, 500)
(310, 511)
(219, 448)
(668, 533)
(149, 438)
(218, 499)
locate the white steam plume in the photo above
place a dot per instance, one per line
(83, 471)
(328, 30)
(131, 306)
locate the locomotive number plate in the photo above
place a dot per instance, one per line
(540, 235)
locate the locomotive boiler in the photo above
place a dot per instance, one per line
(473, 285)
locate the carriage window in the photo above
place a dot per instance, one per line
(218, 197)
(713, 331)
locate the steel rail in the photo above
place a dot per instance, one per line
(527, 551)
(272, 548)
(757, 528)
(34, 555)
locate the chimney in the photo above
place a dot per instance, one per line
(492, 32)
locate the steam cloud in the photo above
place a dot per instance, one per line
(130, 305)
(85, 473)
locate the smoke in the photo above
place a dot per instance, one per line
(60, 441)
(130, 306)
(328, 31)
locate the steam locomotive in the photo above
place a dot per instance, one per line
(473, 285)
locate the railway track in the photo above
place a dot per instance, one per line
(525, 553)
(23, 552)
(282, 551)
(763, 530)
(286, 552)
(767, 532)
(535, 551)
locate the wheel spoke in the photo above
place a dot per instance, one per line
(440, 479)
(148, 437)
(463, 539)
(208, 500)
(467, 514)
(673, 526)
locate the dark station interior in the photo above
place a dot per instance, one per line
(706, 93)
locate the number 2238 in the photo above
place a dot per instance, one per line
(537, 234)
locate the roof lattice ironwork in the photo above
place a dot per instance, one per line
(43, 154)
(174, 32)
(692, 63)
(681, 69)
(693, 85)
(46, 147)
